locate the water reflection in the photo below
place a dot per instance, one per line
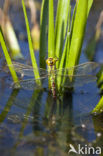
(34, 123)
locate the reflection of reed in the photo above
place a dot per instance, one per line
(2, 85)
(65, 122)
(8, 105)
(98, 128)
(51, 110)
(57, 106)
(32, 103)
(59, 119)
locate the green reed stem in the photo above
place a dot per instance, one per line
(90, 2)
(33, 59)
(8, 60)
(61, 26)
(78, 33)
(51, 52)
(43, 33)
(99, 107)
(79, 23)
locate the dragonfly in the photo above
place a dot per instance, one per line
(83, 73)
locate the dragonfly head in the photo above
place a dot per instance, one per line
(51, 61)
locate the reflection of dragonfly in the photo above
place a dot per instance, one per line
(83, 73)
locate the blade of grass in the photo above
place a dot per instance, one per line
(8, 31)
(62, 62)
(67, 43)
(51, 52)
(71, 31)
(78, 33)
(33, 59)
(8, 60)
(61, 26)
(12, 41)
(78, 28)
(90, 2)
(100, 79)
(99, 107)
(64, 54)
(43, 33)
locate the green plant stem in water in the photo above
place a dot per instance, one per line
(99, 107)
(33, 59)
(43, 33)
(61, 27)
(78, 33)
(51, 30)
(8, 59)
(13, 45)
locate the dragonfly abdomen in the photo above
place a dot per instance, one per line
(53, 87)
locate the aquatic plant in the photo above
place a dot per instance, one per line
(8, 59)
(68, 31)
(33, 59)
(62, 36)
(99, 107)
(8, 31)
(66, 38)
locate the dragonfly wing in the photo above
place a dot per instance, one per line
(30, 84)
(89, 68)
(82, 74)
(77, 81)
(27, 70)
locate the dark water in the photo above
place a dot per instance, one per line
(33, 123)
